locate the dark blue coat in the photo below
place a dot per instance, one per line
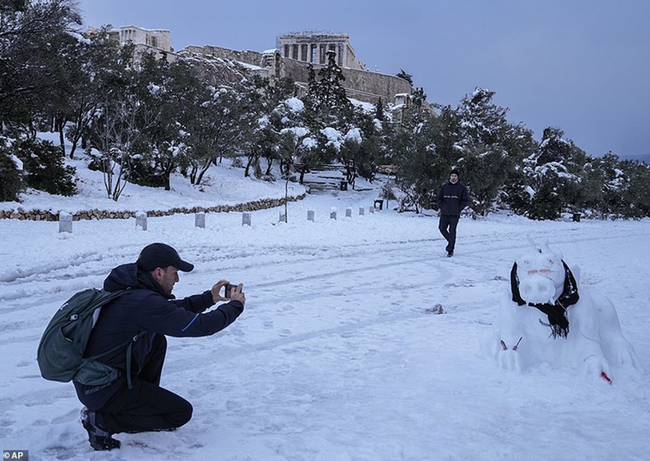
(452, 198)
(146, 308)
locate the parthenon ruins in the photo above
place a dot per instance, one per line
(312, 47)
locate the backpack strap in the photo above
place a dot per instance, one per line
(129, 357)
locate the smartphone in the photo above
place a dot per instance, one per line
(229, 288)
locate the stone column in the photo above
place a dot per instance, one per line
(322, 54)
(313, 53)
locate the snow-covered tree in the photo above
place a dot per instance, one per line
(33, 37)
(552, 176)
(489, 148)
(215, 130)
(266, 108)
(94, 59)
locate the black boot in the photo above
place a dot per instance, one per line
(99, 439)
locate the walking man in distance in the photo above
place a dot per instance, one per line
(452, 199)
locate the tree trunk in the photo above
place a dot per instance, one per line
(167, 174)
(204, 169)
(59, 127)
(248, 166)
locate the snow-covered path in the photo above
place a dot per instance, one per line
(338, 355)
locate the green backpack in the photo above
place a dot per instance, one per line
(61, 350)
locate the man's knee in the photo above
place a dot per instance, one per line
(183, 415)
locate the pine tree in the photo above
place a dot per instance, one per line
(553, 176)
(405, 76)
(490, 148)
(327, 93)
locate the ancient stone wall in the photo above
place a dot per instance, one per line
(359, 84)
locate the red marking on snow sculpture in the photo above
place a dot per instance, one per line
(548, 318)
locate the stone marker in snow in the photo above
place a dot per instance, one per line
(141, 220)
(199, 220)
(65, 222)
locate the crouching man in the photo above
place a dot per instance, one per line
(150, 312)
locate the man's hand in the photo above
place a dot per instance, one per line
(236, 294)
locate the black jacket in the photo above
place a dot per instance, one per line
(146, 308)
(452, 198)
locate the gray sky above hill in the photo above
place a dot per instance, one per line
(580, 65)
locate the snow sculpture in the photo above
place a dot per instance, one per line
(548, 318)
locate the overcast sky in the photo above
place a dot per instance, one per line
(580, 65)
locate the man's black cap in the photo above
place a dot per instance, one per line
(161, 255)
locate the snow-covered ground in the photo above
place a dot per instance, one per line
(341, 353)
